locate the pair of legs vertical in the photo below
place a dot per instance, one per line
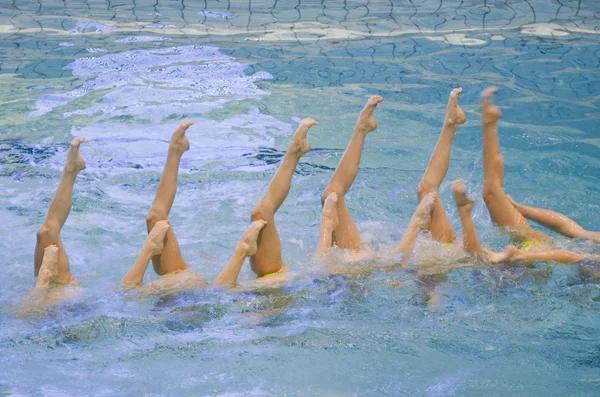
(162, 246)
(267, 259)
(337, 225)
(440, 227)
(51, 263)
(501, 210)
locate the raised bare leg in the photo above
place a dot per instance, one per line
(440, 226)
(60, 207)
(501, 210)
(555, 221)
(170, 260)
(418, 221)
(512, 254)
(245, 248)
(268, 259)
(464, 203)
(153, 246)
(49, 270)
(346, 234)
(329, 221)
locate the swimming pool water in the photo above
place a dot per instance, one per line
(124, 74)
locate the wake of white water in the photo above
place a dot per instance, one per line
(151, 84)
(152, 87)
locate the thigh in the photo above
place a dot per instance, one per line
(267, 259)
(440, 226)
(346, 233)
(170, 260)
(502, 211)
(44, 239)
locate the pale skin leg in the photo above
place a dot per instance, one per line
(417, 223)
(48, 272)
(60, 207)
(247, 247)
(267, 259)
(153, 246)
(503, 213)
(440, 227)
(155, 243)
(170, 259)
(512, 254)
(555, 221)
(419, 220)
(329, 221)
(346, 234)
(464, 204)
(43, 296)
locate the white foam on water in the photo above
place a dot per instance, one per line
(214, 14)
(91, 27)
(152, 83)
(141, 39)
(127, 146)
(147, 87)
(457, 39)
(553, 30)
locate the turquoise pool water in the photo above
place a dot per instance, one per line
(123, 74)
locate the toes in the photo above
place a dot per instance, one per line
(309, 122)
(374, 101)
(458, 186)
(455, 93)
(51, 248)
(185, 124)
(259, 223)
(76, 142)
(489, 92)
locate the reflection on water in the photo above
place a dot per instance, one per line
(124, 74)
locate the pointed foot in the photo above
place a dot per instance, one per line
(49, 270)
(249, 240)
(459, 193)
(156, 237)
(509, 254)
(329, 217)
(454, 114)
(366, 121)
(489, 112)
(179, 142)
(300, 143)
(422, 214)
(75, 162)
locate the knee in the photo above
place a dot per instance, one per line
(44, 233)
(154, 216)
(261, 211)
(425, 188)
(490, 192)
(328, 191)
